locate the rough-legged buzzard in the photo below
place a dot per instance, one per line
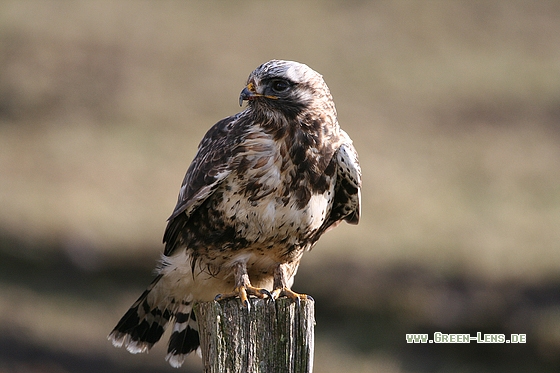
(265, 184)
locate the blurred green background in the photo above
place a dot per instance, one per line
(454, 107)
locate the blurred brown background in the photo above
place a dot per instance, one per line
(454, 107)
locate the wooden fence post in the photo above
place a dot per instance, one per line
(271, 336)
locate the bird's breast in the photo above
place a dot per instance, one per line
(264, 203)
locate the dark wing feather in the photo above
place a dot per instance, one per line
(348, 196)
(206, 172)
(347, 192)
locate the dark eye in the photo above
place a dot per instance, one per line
(279, 85)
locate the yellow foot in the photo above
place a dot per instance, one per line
(285, 292)
(243, 293)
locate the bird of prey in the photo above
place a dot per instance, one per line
(264, 185)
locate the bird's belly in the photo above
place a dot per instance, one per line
(261, 227)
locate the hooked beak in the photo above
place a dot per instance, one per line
(246, 95)
(249, 93)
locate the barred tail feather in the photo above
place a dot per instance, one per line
(142, 325)
(184, 338)
(145, 322)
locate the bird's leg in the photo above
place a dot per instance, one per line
(280, 288)
(243, 287)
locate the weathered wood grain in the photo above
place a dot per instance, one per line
(270, 336)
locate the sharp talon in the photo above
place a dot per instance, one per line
(243, 297)
(243, 292)
(258, 292)
(285, 292)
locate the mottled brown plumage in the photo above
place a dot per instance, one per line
(263, 187)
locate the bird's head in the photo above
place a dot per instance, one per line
(286, 86)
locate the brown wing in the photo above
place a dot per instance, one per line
(347, 197)
(208, 169)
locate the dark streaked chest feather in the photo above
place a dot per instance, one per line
(277, 196)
